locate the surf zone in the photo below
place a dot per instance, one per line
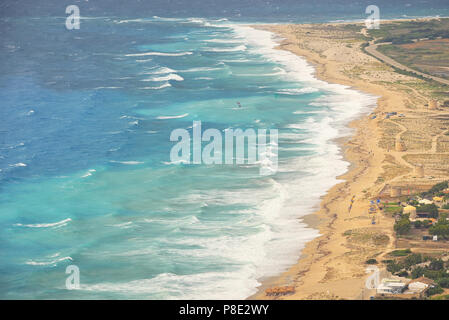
(235, 147)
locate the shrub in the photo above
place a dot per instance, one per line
(413, 259)
(402, 226)
(439, 187)
(434, 290)
(432, 209)
(403, 274)
(394, 267)
(371, 261)
(436, 265)
(400, 253)
(434, 274)
(417, 272)
(444, 282)
(441, 228)
(426, 223)
(436, 188)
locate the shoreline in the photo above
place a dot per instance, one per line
(314, 276)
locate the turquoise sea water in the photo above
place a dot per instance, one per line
(85, 171)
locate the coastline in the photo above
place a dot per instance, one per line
(331, 266)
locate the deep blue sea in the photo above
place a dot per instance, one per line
(85, 122)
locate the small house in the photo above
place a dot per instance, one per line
(420, 285)
(391, 286)
(425, 201)
(411, 211)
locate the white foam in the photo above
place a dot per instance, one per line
(154, 53)
(222, 40)
(298, 91)
(89, 173)
(45, 225)
(53, 262)
(236, 60)
(175, 162)
(311, 176)
(131, 163)
(124, 225)
(163, 70)
(233, 49)
(171, 76)
(20, 164)
(172, 117)
(200, 69)
(206, 285)
(165, 85)
(275, 205)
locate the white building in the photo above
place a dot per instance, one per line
(391, 286)
(419, 285)
(425, 201)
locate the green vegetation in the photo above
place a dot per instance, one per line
(425, 224)
(402, 226)
(400, 253)
(434, 290)
(371, 261)
(441, 228)
(400, 32)
(420, 45)
(400, 267)
(393, 209)
(403, 274)
(444, 282)
(442, 297)
(432, 209)
(415, 265)
(437, 270)
(436, 189)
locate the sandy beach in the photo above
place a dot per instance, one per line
(332, 266)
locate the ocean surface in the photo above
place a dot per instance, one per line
(85, 171)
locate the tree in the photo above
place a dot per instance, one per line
(441, 228)
(418, 224)
(432, 209)
(444, 282)
(403, 273)
(413, 259)
(394, 267)
(418, 272)
(434, 290)
(436, 265)
(402, 226)
(436, 188)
